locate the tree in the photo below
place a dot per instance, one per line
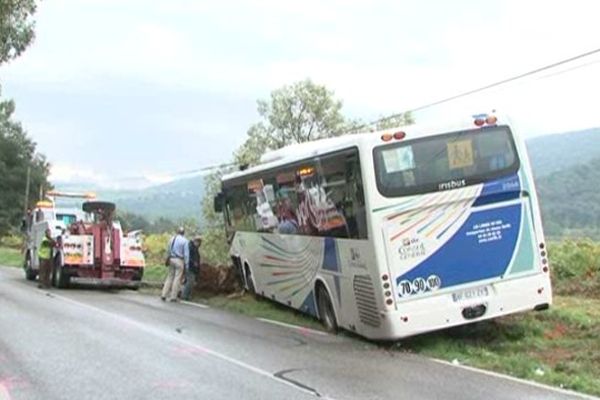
(17, 154)
(214, 246)
(297, 113)
(16, 27)
(17, 151)
(395, 121)
(132, 222)
(257, 142)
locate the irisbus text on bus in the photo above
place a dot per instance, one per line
(393, 233)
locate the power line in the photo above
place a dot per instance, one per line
(422, 107)
(489, 86)
(180, 173)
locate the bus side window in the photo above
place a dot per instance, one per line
(238, 213)
(357, 195)
(342, 181)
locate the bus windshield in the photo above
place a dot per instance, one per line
(445, 161)
(68, 219)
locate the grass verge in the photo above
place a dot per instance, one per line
(10, 257)
(155, 273)
(559, 347)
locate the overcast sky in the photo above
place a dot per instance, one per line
(120, 88)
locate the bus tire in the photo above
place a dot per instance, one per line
(325, 309)
(249, 279)
(30, 273)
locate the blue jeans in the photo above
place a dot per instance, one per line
(190, 282)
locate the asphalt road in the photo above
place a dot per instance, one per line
(97, 344)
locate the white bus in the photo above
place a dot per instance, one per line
(394, 233)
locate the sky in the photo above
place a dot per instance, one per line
(115, 89)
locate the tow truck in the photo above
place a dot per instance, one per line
(91, 246)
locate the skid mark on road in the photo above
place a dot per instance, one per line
(282, 375)
(188, 343)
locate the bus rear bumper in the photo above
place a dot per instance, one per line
(448, 309)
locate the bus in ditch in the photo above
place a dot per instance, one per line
(393, 233)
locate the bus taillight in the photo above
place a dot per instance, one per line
(399, 135)
(491, 120)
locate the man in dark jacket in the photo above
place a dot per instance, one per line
(193, 268)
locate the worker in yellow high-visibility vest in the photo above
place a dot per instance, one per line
(45, 257)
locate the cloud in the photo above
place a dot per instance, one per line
(112, 76)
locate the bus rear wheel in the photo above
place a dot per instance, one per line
(325, 309)
(249, 280)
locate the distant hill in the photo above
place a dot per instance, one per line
(570, 200)
(173, 200)
(567, 170)
(553, 153)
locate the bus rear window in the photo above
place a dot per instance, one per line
(445, 161)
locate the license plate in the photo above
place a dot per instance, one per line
(470, 294)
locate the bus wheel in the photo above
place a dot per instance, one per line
(30, 274)
(249, 280)
(325, 309)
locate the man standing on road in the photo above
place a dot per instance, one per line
(178, 256)
(193, 268)
(45, 258)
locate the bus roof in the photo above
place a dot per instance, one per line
(300, 151)
(296, 152)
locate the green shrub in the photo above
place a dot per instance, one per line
(12, 241)
(155, 247)
(575, 266)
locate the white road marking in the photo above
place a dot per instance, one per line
(189, 303)
(182, 340)
(517, 380)
(297, 327)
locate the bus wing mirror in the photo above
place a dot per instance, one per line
(218, 202)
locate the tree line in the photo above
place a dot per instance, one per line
(18, 154)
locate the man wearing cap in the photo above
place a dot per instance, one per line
(192, 268)
(178, 256)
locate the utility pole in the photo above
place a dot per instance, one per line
(27, 182)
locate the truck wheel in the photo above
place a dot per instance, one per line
(30, 274)
(61, 278)
(325, 309)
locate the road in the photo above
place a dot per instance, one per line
(97, 344)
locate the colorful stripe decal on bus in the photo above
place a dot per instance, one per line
(482, 247)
